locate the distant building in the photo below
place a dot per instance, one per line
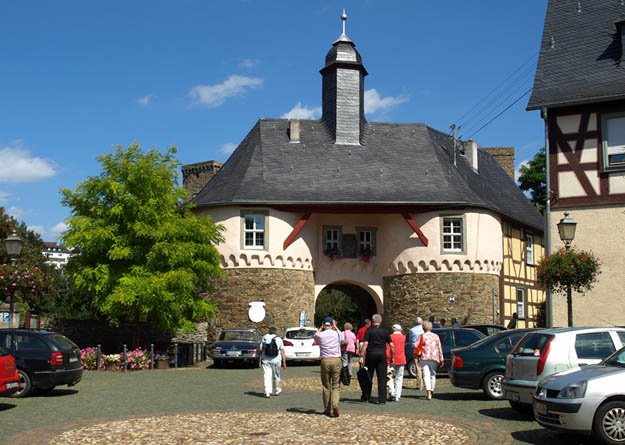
(56, 255)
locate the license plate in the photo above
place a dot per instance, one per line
(11, 385)
(73, 359)
(234, 353)
(541, 408)
(514, 396)
(301, 354)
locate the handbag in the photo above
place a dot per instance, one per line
(345, 377)
(418, 350)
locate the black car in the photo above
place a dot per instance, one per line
(237, 345)
(450, 338)
(483, 364)
(43, 359)
(486, 329)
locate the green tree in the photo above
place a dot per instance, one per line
(338, 305)
(533, 178)
(141, 254)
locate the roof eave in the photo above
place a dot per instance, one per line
(573, 102)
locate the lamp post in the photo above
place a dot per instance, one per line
(566, 229)
(13, 245)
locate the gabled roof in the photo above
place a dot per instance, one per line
(406, 164)
(584, 61)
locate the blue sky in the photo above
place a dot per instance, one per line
(79, 77)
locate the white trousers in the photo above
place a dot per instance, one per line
(429, 368)
(271, 372)
(399, 380)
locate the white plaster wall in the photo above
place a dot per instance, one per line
(600, 230)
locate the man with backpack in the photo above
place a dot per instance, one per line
(272, 348)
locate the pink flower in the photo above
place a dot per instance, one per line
(13, 284)
(572, 266)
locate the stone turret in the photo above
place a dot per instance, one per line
(196, 176)
(343, 89)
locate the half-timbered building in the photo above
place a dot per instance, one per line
(580, 88)
(392, 213)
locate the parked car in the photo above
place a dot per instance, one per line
(44, 359)
(587, 400)
(237, 345)
(542, 353)
(486, 329)
(482, 365)
(450, 338)
(299, 344)
(9, 378)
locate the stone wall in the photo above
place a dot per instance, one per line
(504, 156)
(284, 292)
(425, 294)
(196, 176)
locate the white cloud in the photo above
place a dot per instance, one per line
(145, 100)
(16, 212)
(18, 165)
(301, 112)
(249, 63)
(375, 103)
(227, 148)
(58, 229)
(216, 95)
(517, 171)
(37, 229)
(6, 197)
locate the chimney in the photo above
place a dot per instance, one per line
(470, 153)
(294, 131)
(343, 108)
(504, 157)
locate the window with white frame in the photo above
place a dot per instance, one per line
(366, 240)
(529, 248)
(520, 302)
(331, 239)
(453, 234)
(254, 231)
(613, 143)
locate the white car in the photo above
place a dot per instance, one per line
(299, 344)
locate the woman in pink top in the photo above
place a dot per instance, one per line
(431, 358)
(399, 363)
(348, 346)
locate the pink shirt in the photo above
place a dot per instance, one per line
(351, 341)
(432, 349)
(329, 342)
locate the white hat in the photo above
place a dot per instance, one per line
(396, 327)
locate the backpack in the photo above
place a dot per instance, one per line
(271, 348)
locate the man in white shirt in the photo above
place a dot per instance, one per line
(271, 363)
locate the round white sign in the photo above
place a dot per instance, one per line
(257, 311)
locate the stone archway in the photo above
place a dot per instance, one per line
(352, 302)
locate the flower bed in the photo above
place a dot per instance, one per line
(136, 360)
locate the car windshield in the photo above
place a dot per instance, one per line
(531, 343)
(237, 336)
(616, 359)
(300, 334)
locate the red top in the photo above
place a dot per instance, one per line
(399, 343)
(361, 333)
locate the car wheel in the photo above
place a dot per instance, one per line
(412, 368)
(46, 389)
(609, 422)
(522, 408)
(492, 385)
(25, 384)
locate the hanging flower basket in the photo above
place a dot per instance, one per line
(575, 268)
(365, 255)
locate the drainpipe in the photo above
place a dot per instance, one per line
(549, 303)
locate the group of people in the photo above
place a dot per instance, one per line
(378, 350)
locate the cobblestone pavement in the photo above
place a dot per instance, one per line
(207, 405)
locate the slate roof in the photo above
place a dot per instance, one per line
(586, 61)
(407, 164)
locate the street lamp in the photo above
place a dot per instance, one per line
(13, 244)
(566, 229)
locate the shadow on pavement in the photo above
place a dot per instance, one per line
(459, 396)
(54, 393)
(255, 394)
(541, 436)
(304, 411)
(6, 406)
(506, 414)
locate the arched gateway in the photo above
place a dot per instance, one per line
(425, 224)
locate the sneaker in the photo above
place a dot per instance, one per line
(267, 395)
(278, 391)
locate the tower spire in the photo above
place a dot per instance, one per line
(343, 37)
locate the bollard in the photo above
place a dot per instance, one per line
(152, 356)
(125, 364)
(176, 355)
(98, 358)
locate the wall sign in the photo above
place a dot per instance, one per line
(303, 318)
(6, 317)
(452, 299)
(257, 311)
(349, 245)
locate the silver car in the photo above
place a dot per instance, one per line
(542, 353)
(587, 400)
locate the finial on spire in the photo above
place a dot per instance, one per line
(343, 37)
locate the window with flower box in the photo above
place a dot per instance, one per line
(332, 236)
(366, 241)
